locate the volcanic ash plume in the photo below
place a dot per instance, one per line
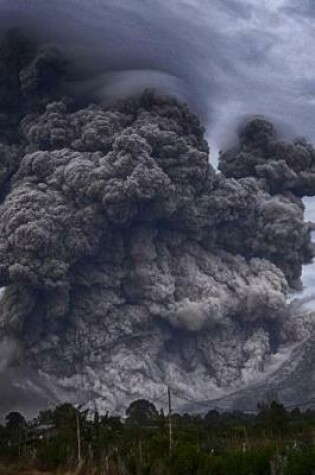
(128, 262)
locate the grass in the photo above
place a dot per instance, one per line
(18, 469)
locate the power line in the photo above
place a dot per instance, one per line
(212, 403)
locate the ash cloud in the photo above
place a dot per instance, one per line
(240, 57)
(279, 165)
(128, 261)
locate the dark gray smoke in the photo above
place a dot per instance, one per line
(279, 166)
(228, 58)
(128, 261)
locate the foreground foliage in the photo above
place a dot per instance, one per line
(70, 440)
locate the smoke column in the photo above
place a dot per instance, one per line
(164, 257)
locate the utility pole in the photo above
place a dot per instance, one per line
(170, 421)
(245, 439)
(78, 436)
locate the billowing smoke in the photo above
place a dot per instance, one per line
(278, 165)
(8, 352)
(128, 261)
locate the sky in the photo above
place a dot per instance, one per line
(227, 58)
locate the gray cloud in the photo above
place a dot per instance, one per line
(240, 57)
(305, 8)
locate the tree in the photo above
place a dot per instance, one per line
(15, 420)
(15, 425)
(274, 417)
(142, 412)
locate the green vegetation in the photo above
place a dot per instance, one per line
(68, 440)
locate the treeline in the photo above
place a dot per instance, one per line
(273, 441)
